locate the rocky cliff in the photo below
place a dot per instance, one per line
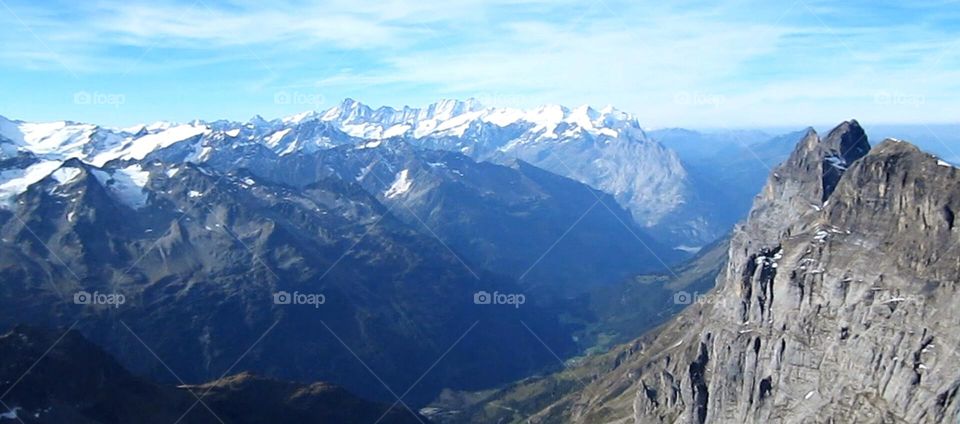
(837, 305)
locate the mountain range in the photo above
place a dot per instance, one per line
(605, 149)
(491, 265)
(199, 226)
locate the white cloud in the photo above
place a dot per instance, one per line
(731, 62)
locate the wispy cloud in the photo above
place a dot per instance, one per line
(690, 62)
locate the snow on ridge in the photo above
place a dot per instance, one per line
(138, 148)
(98, 145)
(504, 117)
(60, 138)
(300, 117)
(11, 130)
(453, 117)
(16, 181)
(143, 146)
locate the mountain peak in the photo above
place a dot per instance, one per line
(300, 117)
(449, 108)
(893, 145)
(846, 142)
(349, 103)
(348, 110)
(585, 111)
(849, 140)
(803, 183)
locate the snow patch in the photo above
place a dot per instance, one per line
(65, 175)
(204, 154)
(11, 414)
(275, 138)
(401, 184)
(396, 130)
(821, 236)
(837, 162)
(688, 249)
(127, 184)
(369, 145)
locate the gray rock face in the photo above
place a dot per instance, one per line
(837, 304)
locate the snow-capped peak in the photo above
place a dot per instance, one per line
(454, 117)
(300, 117)
(349, 110)
(448, 108)
(258, 121)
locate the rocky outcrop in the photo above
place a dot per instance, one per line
(837, 304)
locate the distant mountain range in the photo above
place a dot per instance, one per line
(605, 149)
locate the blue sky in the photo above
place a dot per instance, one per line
(686, 63)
